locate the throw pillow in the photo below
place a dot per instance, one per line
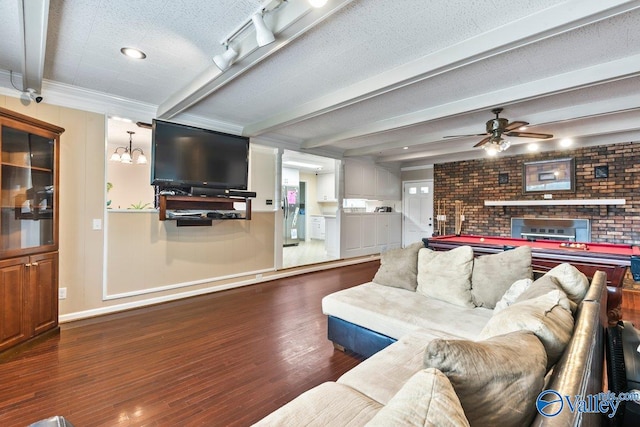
(446, 275)
(512, 294)
(496, 380)
(427, 399)
(573, 282)
(494, 274)
(399, 267)
(543, 286)
(547, 316)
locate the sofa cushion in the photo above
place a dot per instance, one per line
(427, 399)
(399, 267)
(547, 316)
(446, 275)
(573, 282)
(495, 383)
(396, 312)
(494, 274)
(515, 290)
(541, 286)
(322, 406)
(382, 375)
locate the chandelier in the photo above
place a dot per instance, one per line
(128, 153)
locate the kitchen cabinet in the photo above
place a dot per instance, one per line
(317, 227)
(367, 181)
(326, 187)
(370, 233)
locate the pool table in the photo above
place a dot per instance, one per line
(613, 259)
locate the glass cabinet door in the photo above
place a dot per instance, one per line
(27, 201)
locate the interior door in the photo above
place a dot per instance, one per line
(417, 211)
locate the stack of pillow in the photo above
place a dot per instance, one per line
(494, 380)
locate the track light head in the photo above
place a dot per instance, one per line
(264, 35)
(224, 60)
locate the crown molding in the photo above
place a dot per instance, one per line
(78, 98)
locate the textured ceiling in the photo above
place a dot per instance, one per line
(356, 78)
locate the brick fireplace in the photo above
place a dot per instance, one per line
(475, 181)
(570, 230)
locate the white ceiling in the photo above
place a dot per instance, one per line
(355, 78)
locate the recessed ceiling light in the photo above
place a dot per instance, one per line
(317, 3)
(533, 146)
(405, 148)
(132, 52)
(566, 142)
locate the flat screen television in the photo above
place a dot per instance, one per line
(186, 156)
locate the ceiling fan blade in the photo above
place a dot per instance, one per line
(484, 141)
(530, 135)
(514, 125)
(464, 136)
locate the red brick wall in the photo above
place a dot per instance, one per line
(475, 181)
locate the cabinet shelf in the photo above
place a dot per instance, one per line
(197, 210)
(31, 168)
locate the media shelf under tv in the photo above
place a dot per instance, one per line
(202, 210)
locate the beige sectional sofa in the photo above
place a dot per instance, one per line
(473, 341)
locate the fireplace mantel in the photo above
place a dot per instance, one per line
(555, 202)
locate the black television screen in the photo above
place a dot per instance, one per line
(186, 156)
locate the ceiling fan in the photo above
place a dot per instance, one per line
(499, 127)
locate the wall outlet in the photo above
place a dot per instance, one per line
(259, 276)
(97, 224)
(62, 293)
(547, 196)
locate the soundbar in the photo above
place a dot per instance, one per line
(218, 192)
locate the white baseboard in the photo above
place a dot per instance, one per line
(85, 314)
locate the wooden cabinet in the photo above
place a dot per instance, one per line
(29, 177)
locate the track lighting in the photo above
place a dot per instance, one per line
(264, 36)
(224, 60)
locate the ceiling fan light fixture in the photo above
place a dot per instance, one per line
(491, 150)
(496, 145)
(264, 35)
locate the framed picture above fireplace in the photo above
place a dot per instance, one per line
(549, 176)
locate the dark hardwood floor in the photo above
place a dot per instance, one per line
(223, 359)
(227, 358)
